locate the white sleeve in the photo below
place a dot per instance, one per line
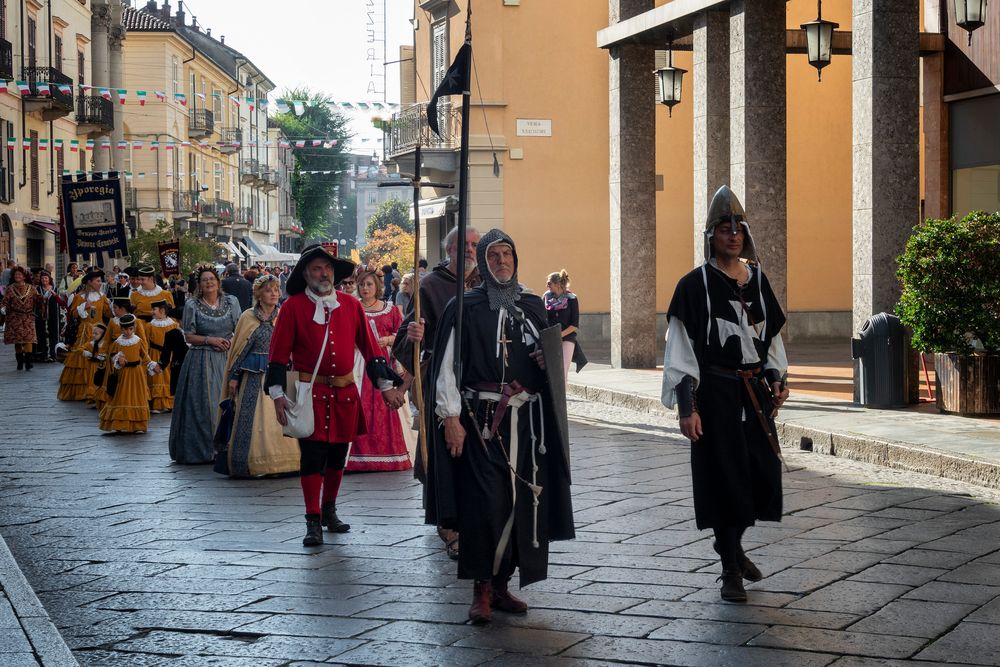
(678, 360)
(82, 311)
(776, 357)
(275, 392)
(447, 397)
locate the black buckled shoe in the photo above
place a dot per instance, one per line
(332, 521)
(732, 586)
(749, 571)
(314, 531)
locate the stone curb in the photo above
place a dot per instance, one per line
(49, 648)
(854, 446)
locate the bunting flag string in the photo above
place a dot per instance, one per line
(140, 144)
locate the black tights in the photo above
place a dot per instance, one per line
(728, 542)
(320, 456)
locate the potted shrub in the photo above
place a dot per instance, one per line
(950, 272)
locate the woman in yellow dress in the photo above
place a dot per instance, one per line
(96, 355)
(88, 307)
(120, 306)
(161, 400)
(127, 409)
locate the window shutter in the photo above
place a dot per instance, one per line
(35, 200)
(439, 54)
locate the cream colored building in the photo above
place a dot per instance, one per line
(215, 168)
(64, 43)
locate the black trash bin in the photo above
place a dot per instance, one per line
(881, 349)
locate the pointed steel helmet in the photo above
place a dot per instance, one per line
(726, 207)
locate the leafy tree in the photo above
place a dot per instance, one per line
(390, 213)
(387, 245)
(143, 249)
(315, 194)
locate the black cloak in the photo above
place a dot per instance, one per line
(472, 493)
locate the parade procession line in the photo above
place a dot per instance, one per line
(142, 562)
(822, 418)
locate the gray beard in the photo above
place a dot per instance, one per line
(320, 288)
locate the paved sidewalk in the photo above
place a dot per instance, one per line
(142, 562)
(917, 439)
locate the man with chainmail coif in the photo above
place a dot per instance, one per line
(498, 467)
(725, 370)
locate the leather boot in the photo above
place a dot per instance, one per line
(749, 571)
(503, 600)
(732, 586)
(20, 360)
(482, 593)
(332, 521)
(28, 365)
(314, 531)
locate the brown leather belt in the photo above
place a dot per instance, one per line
(339, 381)
(748, 376)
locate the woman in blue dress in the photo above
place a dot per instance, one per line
(256, 446)
(210, 319)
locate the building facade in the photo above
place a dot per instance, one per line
(572, 156)
(207, 162)
(49, 53)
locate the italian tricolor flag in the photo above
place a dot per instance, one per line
(154, 145)
(57, 145)
(43, 144)
(26, 143)
(23, 87)
(122, 94)
(11, 142)
(182, 98)
(74, 145)
(141, 94)
(90, 145)
(43, 88)
(105, 93)
(160, 95)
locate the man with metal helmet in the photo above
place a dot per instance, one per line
(725, 369)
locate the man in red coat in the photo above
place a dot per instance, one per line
(312, 312)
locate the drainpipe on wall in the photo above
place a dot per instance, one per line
(24, 116)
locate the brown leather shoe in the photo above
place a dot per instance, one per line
(503, 599)
(479, 611)
(732, 586)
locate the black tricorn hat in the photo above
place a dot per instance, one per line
(162, 303)
(147, 271)
(296, 283)
(122, 302)
(131, 272)
(90, 275)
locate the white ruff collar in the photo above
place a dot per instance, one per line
(94, 296)
(163, 324)
(127, 342)
(152, 292)
(323, 303)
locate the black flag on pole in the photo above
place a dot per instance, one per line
(455, 82)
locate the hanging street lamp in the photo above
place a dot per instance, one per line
(819, 40)
(970, 15)
(670, 79)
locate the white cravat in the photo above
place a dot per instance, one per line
(324, 304)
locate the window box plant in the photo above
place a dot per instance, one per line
(950, 272)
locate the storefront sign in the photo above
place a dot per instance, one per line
(534, 127)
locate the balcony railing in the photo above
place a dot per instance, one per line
(268, 179)
(244, 216)
(285, 222)
(201, 123)
(249, 172)
(230, 140)
(57, 103)
(6, 60)
(410, 126)
(186, 202)
(219, 209)
(96, 113)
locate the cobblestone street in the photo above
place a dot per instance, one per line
(142, 562)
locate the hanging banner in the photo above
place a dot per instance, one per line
(170, 258)
(93, 215)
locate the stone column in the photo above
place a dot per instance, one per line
(757, 129)
(710, 97)
(886, 190)
(117, 36)
(633, 203)
(100, 56)
(937, 168)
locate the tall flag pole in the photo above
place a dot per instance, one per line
(457, 80)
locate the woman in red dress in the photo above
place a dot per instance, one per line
(19, 307)
(383, 447)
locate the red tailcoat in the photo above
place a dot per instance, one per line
(299, 339)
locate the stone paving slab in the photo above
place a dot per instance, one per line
(140, 562)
